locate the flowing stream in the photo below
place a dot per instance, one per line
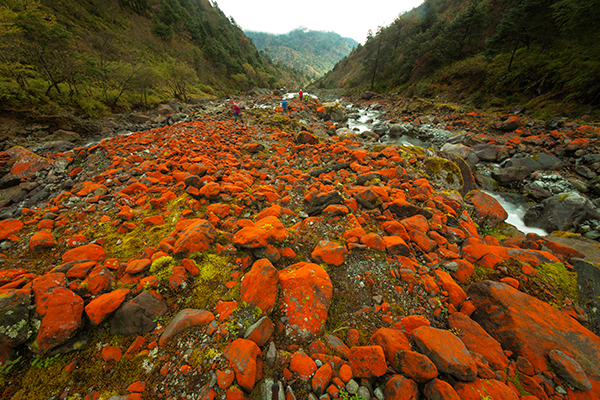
(516, 207)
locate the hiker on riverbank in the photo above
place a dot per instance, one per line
(237, 112)
(300, 94)
(284, 106)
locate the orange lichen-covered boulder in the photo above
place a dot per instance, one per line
(251, 237)
(92, 252)
(261, 331)
(102, 306)
(455, 292)
(487, 210)
(259, 286)
(477, 251)
(321, 379)
(438, 389)
(42, 240)
(532, 328)
(302, 365)
(447, 352)
(367, 361)
(61, 320)
(399, 387)
(195, 235)
(415, 366)
(27, 164)
(329, 253)
(478, 340)
(245, 359)
(9, 227)
(307, 290)
(43, 287)
(482, 388)
(392, 341)
(275, 229)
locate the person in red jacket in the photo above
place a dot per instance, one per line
(237, 112)
(300, 94)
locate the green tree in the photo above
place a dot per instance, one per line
(578, 18)
(11, 43)
(527, 22)
(47, 47)
(178, 77)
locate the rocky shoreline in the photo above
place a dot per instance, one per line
(290, 255)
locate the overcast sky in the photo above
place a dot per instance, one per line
(351, 19)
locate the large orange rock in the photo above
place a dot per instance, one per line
(251, 237)
(43, 287)
(396, 245)
(196, 235)
(415, 223)
(302, 365)
(532, 328)
(261, 331)
(487, 210)
(392, 341)
(92, 252)
(26, 165)
(259, 286)
(415, 366)
(367, 361)
(482, 388)
(104, 305)
(478, 340)
(321, 379)
(399, 387)
(275, 229)
(329, 253)
(61, 320)
(455, 292)
(477, 251)
(307, 290)
(42, 240)
(447, 352)
(437, 389)
(245, 359)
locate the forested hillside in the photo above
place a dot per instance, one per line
(312, 52)
(96, 56)
(542, 54)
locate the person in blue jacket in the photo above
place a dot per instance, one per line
(284, 106)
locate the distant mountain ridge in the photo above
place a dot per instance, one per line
(312, 52)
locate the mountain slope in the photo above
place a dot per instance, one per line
(539, 54)
(312, 52)
(95, 56)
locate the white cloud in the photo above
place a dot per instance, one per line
(348, 18)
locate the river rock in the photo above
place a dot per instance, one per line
(511, 174)
(335, 111)
(564, 212)
(138, 315)
(488, 152)
(540, 161)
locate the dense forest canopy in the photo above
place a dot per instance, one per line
(489, 52)
(312, 52)
(96, 56)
